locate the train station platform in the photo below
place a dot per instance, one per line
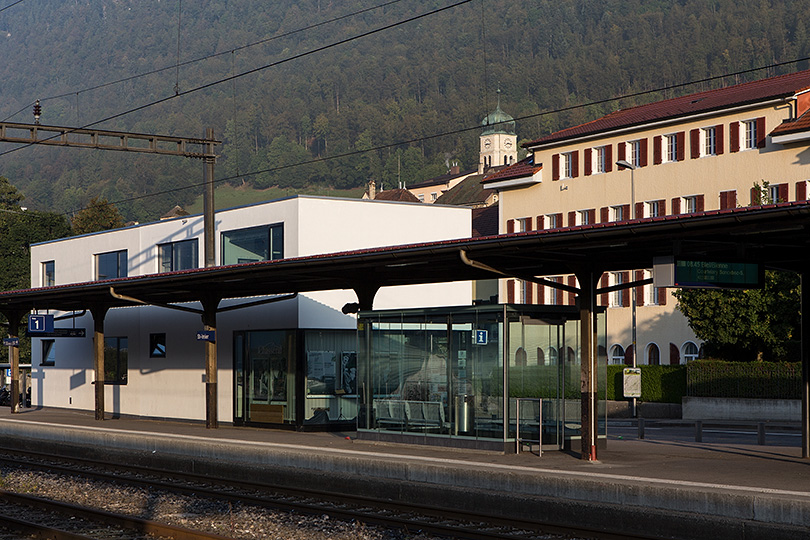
(664, 486)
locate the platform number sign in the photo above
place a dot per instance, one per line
(481, 337)
(40, 324)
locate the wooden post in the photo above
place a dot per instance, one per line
(209, 319)
(14, 360)
(99, 313)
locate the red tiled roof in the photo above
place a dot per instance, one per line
(521, 169)
(485, 221)
(701, 102)
(793, 126)
(398, 194)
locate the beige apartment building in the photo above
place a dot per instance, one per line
(704, 152)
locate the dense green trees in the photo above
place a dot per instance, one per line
(432, 76)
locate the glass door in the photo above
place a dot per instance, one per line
(264, 364)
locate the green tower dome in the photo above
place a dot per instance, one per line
(498, 121)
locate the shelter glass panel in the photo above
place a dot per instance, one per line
(331, 379)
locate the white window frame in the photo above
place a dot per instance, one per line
(688, 357)
(616, 359)
(599, 164)
(651, 292)
(708, 141)
(45, 281)
(583, 217)
(773, 193)
(551, 293)
(566, 165)
(634, 151)
(748, 133)
(617, 213)
(670, 150)
(523, 224)
(651, 209)
(421, 197)
(689, 204)
(552, 221)
(433, 196)
(615, 298)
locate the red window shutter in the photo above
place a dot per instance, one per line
(642, 159)
(639, 210)
(587, 162)
(603, 283)
(574, 163)
(558, 292)
(756, 196)
(541, 294)
(572, 219)
(555, 167)
(604, 214)
(784, 196)
(728, 199)
(694, 141)
(700, 203)
(592, 216)
(510, 226)
(609, 158)
(510, 291)
(625, 292)
(621, 149)
(681, 141)
(529, 292)
(559, 220)
(734, 137)
(626, 212)
(657, 149)
(723, 200)
(572, 282)
(761, 132)
(801, 190)
(662, 296)
(719, 139)
(676, 205)
(541, 223)
(639, 275)
(662, 207)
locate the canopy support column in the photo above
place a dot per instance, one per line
(588, 345)
(99, 314)
(805, 352)
(13, 318)
(209, 319)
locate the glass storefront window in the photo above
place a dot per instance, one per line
(331, 384)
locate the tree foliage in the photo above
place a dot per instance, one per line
(394, 90)
(755, 324)
(98, 215)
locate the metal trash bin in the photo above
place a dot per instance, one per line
(464, 413)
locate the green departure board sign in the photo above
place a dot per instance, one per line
(716, 274)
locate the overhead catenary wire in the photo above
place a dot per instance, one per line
(11, 5)
(453, 132)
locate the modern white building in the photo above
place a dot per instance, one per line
(289, 363)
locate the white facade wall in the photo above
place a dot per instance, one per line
(173, 387)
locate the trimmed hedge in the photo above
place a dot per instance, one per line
(716, 378)
(661, 384)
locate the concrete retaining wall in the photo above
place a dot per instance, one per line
(754, 410)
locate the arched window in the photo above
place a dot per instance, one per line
(616, 355)
(653, 355)
(690, 351)
(553, 356)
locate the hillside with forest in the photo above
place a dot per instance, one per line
(329, 95)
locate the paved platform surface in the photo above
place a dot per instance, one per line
(727, 474)
(666, 453)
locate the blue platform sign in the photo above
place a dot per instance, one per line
(11, 342)
(40, 324)
(207, 335)
(481, 337)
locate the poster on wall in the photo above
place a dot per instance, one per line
(348, 370)
(321, 372)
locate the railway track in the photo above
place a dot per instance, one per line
(43, 518)
(407, 517)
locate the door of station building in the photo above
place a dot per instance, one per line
(264, 377)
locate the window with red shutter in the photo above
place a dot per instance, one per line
(608, 158)
(572, 298)
(734, 136)
(510, 291)
(700, 204)
(784, 196)
(587, 161)
(719, 139)
(621, 151)
(510, 226)
(694, 143)
(642, 158)
(555, 167)
(801, 190)
(639, 210)
(639, 275)
(574, 163)
(540, 221)
(604, 214)
(676, 205)
(657, 149)
(761, 132)
(572, 219)
(681, 138)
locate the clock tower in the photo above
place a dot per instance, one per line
(498, 139)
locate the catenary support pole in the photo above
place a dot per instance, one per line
(14, 361)
(208, 201)
(99, 313)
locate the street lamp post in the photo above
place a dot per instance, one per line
(622, 164)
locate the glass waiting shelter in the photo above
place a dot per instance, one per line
(453, 376)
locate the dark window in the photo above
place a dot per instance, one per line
(48, 274)
(111, 265)
(157, 345)
(116, 354)
(48, 353)
(255, 244)
(178, 256)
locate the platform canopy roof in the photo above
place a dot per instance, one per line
(774, 235)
